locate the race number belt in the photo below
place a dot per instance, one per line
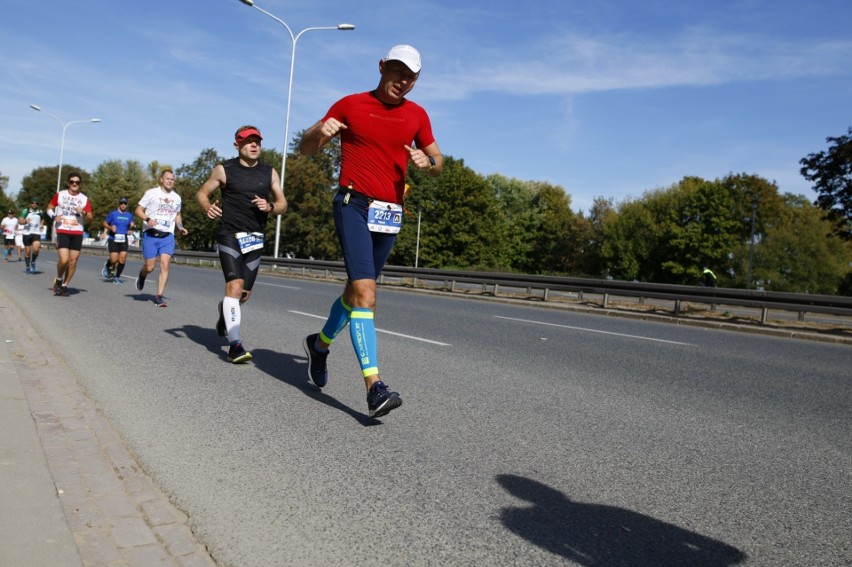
(250, 241)
(384, 217)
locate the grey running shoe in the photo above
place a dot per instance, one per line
(317, 371)
(140, 281)
(117, 280)
(221, 330)
(238, 355)
(380, 401)
(105, 270)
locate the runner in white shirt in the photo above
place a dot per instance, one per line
(9, 225)
(159, 210)
(32, 219)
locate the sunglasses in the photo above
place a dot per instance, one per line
(74, 182)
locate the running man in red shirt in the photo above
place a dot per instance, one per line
(380, 132)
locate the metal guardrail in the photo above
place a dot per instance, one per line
(495, 283)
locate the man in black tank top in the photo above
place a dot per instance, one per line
(250, 191)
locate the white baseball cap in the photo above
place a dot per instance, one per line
(406, 54)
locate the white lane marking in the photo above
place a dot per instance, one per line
(421, 339)
(278, 285)
(593, 331)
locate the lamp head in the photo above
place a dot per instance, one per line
(96, 120)
(35, 107)
(248, 2)
(346, 27)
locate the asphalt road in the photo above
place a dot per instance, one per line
(528, 436)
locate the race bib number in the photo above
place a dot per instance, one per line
(250, 241)
(120, 237)
(384, 217)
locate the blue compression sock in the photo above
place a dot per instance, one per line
(363, 333)
(337, 320)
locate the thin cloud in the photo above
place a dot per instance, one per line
(575, 65)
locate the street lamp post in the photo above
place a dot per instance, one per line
(417, 246)
(65, 126)
(294, 39)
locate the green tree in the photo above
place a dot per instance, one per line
(307, 228)
(592, 261)
(110, 181)
(629, 238)
(188, 180)
(555, 247)
(831, 172)
(800, 254)
(671, 235)
(758, 208)
(6, 202)
(514, 199)
(461, 224)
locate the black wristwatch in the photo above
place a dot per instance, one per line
(432, 162)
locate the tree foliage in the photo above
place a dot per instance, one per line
(739, 226)
(831, 172)
(112, 180)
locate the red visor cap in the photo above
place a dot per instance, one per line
(248, 133)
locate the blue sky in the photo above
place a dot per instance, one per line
(604, 98)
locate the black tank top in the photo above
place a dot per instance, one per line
(242, 184)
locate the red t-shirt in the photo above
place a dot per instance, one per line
(374, 158)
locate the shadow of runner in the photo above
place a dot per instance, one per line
(202, 336)
(594, 534)
(286, 368)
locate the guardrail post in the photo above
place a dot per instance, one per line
(545, 294)
(677, 307)
(495, 289)
(605, 300)
(763, 313)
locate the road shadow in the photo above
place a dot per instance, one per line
(202, 336)
(292, 370)
(287, 368)
(603, 536)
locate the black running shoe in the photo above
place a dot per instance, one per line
(380, 401)
(63, 291)
(140, 281)
(238, 355)
(57, 286)
(317, 371)
(159, 301)
(221, 330)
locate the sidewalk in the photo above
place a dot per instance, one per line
(70, 492)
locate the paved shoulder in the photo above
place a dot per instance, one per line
(70, 492)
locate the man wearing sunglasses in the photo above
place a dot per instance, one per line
(70, 210)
